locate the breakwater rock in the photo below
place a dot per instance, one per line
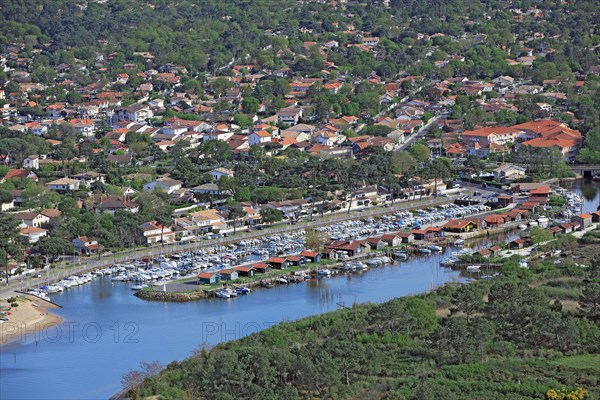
(157, 295)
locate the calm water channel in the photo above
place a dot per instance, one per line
(108, 331)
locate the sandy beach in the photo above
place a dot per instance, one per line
(26, 321)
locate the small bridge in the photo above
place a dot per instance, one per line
(586, 170)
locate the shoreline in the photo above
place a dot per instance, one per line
(31, 317)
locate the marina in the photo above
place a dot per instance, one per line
(108, 330)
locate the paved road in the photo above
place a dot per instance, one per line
(124, 257)
(420, 133)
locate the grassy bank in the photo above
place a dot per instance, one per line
(526, 334)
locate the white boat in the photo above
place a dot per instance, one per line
(434, 247)
(138, 287)
(449, 261)
(282, 281)
(400, 256)
(222, 294)
(324, 272)
(54, 289)
(360, 266)
(424, 251)
(243, 290)
(348, 267)
(374, 262)
(473, 268)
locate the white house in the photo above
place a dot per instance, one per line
(218, 173)
(34, 219)
(64, 185)
(135, 113)
(84, 127)
(259, 137)
(289, 116)
(218, 135)
(208, 188)
(33, 234)
(31, 162)
(508, 172)
(90, 177)
(153, 232)
(165, 184)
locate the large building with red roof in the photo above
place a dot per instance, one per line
(541, 134)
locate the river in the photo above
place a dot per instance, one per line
(108, 331)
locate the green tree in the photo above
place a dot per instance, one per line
(420, 152)
(236, 212)
(468, 299)
(9, 240)
(315, 239)
(540, 235)
(589, 301)
(270, 215)
(250, 105)
(54, 246)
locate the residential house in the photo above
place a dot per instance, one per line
(90, 177)
(34, 219)
(51, 213)
(208, 188)
(31, 162)
(167, 185)
(259, 137)
(7, 205)
(33, 234)
(548, 133)
(289, 116)
(64, 185)
(20, 174)
(136, 113)
(86, 246)
(218, 173)
(481, 142)
(208, 220)
(84, 127)
(508, 172)
(113, 204)
(152, 232)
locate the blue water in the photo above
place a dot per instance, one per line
(108, 331)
